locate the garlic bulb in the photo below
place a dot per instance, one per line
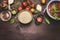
(39, 7)
(10, 1)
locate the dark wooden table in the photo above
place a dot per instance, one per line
(31, 31)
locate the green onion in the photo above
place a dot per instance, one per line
(54, 6)
(55, 16)
(47, 21)
(53, 11)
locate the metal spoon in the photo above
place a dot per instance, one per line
(10, 2)
(46, 19)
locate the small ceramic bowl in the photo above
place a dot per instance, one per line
(48, 10)
(38, 19)
(5, 15)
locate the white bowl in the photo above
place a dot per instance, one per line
(48, 10)
(5, 19)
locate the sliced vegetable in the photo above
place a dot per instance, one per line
(53, 11)
(50, 8)
(47, 21)
(55, 16)
(14, 12)
(12, 21)
(54, 6)
(28, 8)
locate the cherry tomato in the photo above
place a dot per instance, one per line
(5, 1)
(39, 19)
(24, 3)
(51, 14)
(28, 8)
(58, 6)
(32, 10)
(50, 8)
(43, 1)
(19, 8)
(33, 4)
(29, 2)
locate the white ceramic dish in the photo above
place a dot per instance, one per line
(1, 16)
(49, 12)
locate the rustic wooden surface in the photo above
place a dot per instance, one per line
(31, 31)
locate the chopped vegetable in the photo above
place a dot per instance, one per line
(12, 21)
(56, 16)
(28, 8)
(55, 11)
(14, 12)
(19, 8)
(47, 21)
(24, 4)
(54, 6)
(36, 11)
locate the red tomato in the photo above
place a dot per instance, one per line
(19, 8)
(33, 4)
(43, 1)
(27, 8)
(29, 2)
(5, 1)
(58, 6)
(39, 19)
(32, 10)
(50, 7)
(59, 15)
(24, 3)
(51, 14)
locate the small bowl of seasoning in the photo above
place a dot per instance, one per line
(14, 12)
(5, 15)
(39, 19)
